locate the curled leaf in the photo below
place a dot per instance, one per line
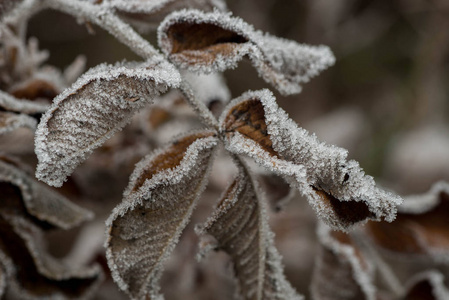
(427, 286)
(239, 224)
(11, 103)
(22, 195)
(144, 229)
(341, 270)
(338, 190)
(33, 274)
(10, 122)
(421, 227)
(99, 104)
(210, 42)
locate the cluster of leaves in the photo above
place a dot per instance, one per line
(166, 185)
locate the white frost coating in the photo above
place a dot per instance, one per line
(11, 103)
(42, 202)
(362, 272)
(283, 63)
(436, 281)
(10, 122)
(98, 104)
(154, 6)
(144, 229)
(240, 226)
(420, 204)
(323, 167)
(146, 15)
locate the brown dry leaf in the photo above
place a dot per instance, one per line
(337, 189)
(144, 229)
(428, 285)
(341, 271)
(421, 227)
(98, 104)
(34, 89)
(32, 274)
(210, 42)
(147, 14)
(239, 224)
(23, 196)
(11, 121)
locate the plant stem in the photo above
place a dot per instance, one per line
(106, 19)
(205, 114)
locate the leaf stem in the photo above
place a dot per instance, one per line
(204, 113)
(105, 18)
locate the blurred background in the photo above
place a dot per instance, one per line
(386, 100)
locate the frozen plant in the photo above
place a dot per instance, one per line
(166, 186)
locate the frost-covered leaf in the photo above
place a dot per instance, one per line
(145, 227)
(10, 122)
(210, 42)
(421, 227)
(11, 103)
(239, 224)
(31, 273)
(100, 103)
(428, 285)
(341, 271)
(147, 14)
(337, 189)
(22, 195)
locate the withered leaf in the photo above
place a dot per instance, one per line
(209, 42)
(338, 190)
(144, 229)
(32, 274)
(239, 224)
(11, 103)
(427, 286)
(147, 14)
(22, 195)
(11, 121)
(341, 270)
(421, 226)
(98, 104)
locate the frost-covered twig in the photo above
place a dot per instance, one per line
(106, 19)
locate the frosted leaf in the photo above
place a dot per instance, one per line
(421, 228)
(427, 285)
(32, 273)
(10, 122)
(341, 271)
(337, 189)
(239, 224)
(22, 195)
(147, 14)
(99, 104)
(144, 229)
(209, 42)
(11, 103)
